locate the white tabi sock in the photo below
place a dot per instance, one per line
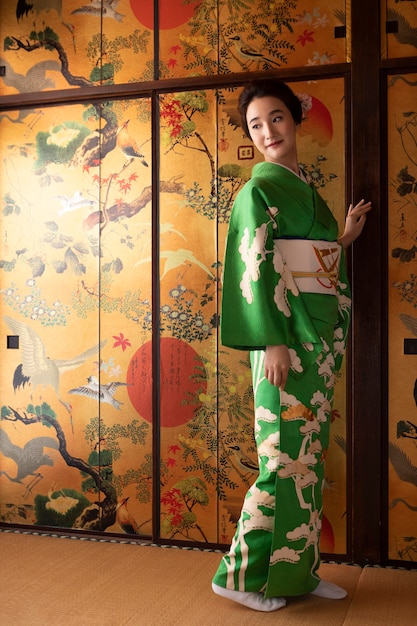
(251, 599)
(329, 590)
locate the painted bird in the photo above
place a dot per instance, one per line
(244, 462)
(404, 469)
(410, 322)
(23, 9)
(35, 79)
(59, 501)
(407, 32)
(128, 145)
(36, 367)
(402, 464)
(126, 520)
(28, 459)
(61, 136)
(77, 201)
(101, 8)
(104, 393)
(248, 53)
(21, 115)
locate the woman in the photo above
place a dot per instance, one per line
(286, 298)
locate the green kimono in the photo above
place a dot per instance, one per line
(276, 546)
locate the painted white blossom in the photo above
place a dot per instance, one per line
(286, 283)
(288, 399)
(295, 361)
(315, 446)
(259, 522)
(306, 480)
(302, 531)
(310, 426)
(284, 554)
(296, 468)
(303, 476)
(280, 298)
(252, 504)
(318, 398)
(285, 459)
(252, 256)
(264, 415)
(326, 370)
(344, 301)
(308, 346)
(323, 405)
(339, 345)
(315, 520)
(321, 21)
(269, 448)
(257, 497)
(308, 459)
(312, 539)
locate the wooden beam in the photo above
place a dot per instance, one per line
(368, 271)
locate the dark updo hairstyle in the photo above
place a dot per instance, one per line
(269, 87)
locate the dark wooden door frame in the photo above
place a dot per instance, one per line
(367, 427)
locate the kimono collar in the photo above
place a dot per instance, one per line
(305, 193)
(266, 169)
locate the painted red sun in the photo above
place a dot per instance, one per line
(326, 536)
(318, 123)
(180, 369)
(172, 13)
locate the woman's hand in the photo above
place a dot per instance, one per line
(355, 221)
(277, 365)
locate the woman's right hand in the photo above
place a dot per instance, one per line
(277, 365)
(355, 221)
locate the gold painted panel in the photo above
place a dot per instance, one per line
(402, 328)
(58, 45)
(96, 160)
(75, 225)
(207, 416)
(76, 43)
(224, 36)
(188, 315)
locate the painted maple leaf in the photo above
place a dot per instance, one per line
(121, 341)
(124, 185)
(306, 37)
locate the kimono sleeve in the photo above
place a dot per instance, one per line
(261, 304)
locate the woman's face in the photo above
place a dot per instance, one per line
(273, 131)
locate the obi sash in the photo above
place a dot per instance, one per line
(314, 264)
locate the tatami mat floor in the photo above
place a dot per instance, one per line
(64, 581)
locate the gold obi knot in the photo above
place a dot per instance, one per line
(314, 264)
